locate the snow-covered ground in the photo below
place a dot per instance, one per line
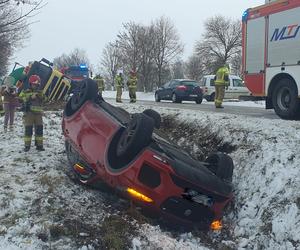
(41, 207)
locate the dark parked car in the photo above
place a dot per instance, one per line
(179, 90)
(107, 145)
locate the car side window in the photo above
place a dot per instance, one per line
(167, 85)
(174, 84)
(237, 83)
(212, 82)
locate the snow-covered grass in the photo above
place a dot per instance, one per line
(41, 207)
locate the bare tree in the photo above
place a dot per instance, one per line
(236, 65)
(110, 62)
(14, 26)
(76, 57)
(129, 45)
(194, 68)
(146, 66)
(167, 45)
(220, 43)
(177, 69)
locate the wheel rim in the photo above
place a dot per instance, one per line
(127, 137)
(284, 98)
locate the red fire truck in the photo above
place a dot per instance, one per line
(271, 55)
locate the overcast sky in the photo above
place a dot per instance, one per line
(90, 24)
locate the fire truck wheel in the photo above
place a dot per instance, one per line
(285, 99)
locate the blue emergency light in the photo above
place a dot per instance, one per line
(245, 15)
(83, 66)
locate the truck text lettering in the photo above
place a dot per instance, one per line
(287, 32)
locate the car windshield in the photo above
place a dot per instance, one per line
(238, 83)
(189, 83)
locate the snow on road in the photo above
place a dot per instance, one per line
(42, 208)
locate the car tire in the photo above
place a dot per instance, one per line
(221, 165)
(86, 90)
(210, 98)
(199, 100)
(285, 100)
(135, 136)
(175, 98)
(155, 116)
(157, 98)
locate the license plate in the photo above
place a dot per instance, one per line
(193, 95)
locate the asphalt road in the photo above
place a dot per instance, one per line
(236, 110)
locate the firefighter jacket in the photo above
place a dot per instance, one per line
(222, 77)
(119, 83)
(100, 82)
(32, 100)
(132, 82)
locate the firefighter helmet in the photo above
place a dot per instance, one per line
(34, 80)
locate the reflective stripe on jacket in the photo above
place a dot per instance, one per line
(33, 98)
(132, 82)
(222, 76)
(119, 81)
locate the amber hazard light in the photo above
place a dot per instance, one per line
(138, 195)
(216, 225)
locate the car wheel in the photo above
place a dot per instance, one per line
(199, 100)
(175, 99)
(157, 99)
(135, 136)
(221, 165)
(211, 98)
(285, 100)
(155, 116)
(86, 90)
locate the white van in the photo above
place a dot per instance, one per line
(236, 88)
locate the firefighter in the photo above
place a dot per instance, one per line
(33, 99)
(100, 83)
(221, 81)
(132, 84)
(119, 84)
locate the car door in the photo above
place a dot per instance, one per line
(229, 90)
(170, 89)
(163, 92)
(238, 88)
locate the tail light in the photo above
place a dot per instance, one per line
(139, 195)
(206, 89)
(216, 225)
(181, 87)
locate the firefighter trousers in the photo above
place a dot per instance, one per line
(219, 96)
(33, 120)
(132, 94)
(119, 94)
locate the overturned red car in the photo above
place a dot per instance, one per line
(106, 144)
